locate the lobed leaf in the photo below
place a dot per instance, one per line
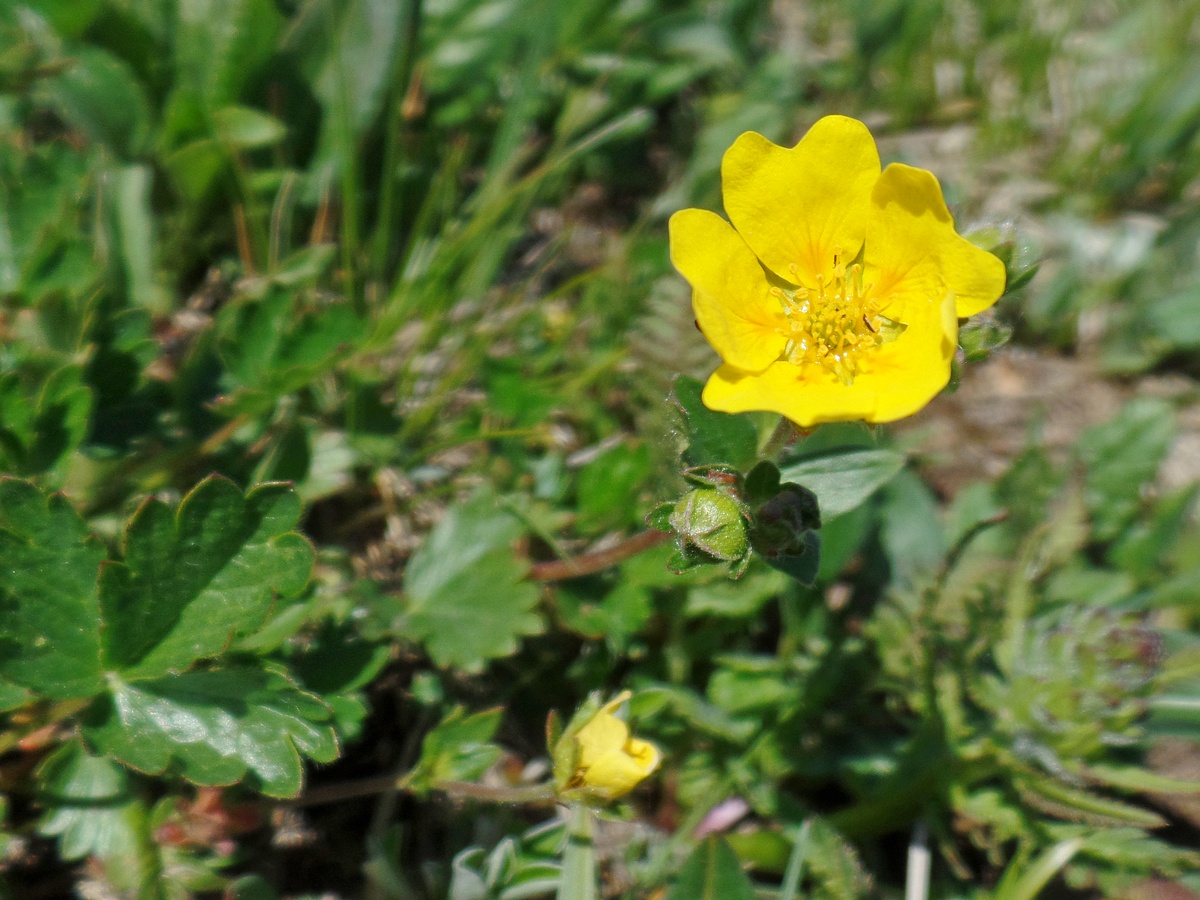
(193, 580)
(216, 726)
(467, 600)
(49, 608)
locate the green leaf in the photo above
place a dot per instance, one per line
(1135, 780)
(803, 568)
(128, 190)
(614, 616)
(100, 96)
(458, 749)
(1122, 456)
(910, 530)
(467, 598)
(609, 487)
(192, 580)
(714, 437)
(1076, 805)
(221, 43)
(39, 431)
(49, 611)
(1026, 882)
(245, 128)
(843, 478)
(89, 806)
(215, 727)
(712, 872)
(273, 345)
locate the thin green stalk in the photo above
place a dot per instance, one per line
(401, 83)
(348, 153)
(578, 879)
(1039, 873)
(795, 866)
(151, 883)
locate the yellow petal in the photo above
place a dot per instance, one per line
(610, 761)
(796, 207)
(619, 771)
(730, 293)
(910, 234)
(808, 396)
(907, 373)
(897, 380)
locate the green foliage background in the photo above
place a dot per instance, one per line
(327, 328)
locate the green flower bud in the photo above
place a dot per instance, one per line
(712, 522)
(780, 523)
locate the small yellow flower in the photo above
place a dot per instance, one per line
(606, 761)
(838, 295)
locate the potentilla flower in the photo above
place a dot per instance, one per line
(838, 295)
(597, 757)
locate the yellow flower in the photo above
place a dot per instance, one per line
(608, 762)
(838, 296)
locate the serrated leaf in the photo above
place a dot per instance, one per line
(193, 580)
(272, 345)
(843, 479)
(89, 806)
(459, 748)
(215, 727)
(37, 432)
(49, 610)
(713, 437)
(712, 872)
(467, 600)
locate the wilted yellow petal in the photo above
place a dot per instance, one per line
(797, 207)
(730, 293)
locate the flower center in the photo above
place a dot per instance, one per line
(836, 324)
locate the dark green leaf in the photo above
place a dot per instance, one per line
(804, 567)
(215, 727)
(193, 580)
(49, 611)
(714, 437)
(843, 478)
(712, 872)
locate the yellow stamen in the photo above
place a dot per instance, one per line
(837, 323)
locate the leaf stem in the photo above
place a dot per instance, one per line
(591, 563)
(524, 795)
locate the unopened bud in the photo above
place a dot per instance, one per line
(711, 521)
